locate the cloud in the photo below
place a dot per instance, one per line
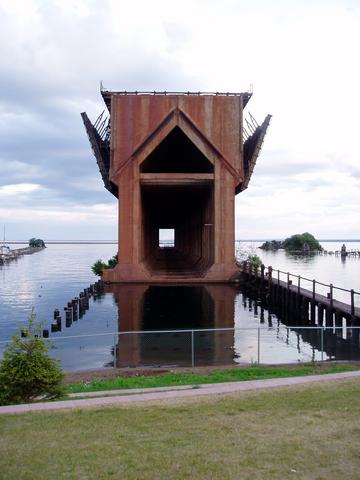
(327, 207)
(299, 57)
(17, 189)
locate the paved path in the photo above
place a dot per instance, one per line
(164, 393)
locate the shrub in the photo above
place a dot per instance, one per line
(254, 260)
(27, 371)
(113, 261)
(99, 266)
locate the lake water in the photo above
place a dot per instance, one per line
(50, 278)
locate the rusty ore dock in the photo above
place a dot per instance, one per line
(175, 160)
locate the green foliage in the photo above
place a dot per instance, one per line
(27, 371)
(36, 242)
(254, 261)
(272, 245)
(302, 242)
(113, 261)
(99, 266)
(247, 253)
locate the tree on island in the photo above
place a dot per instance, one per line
(304, 242)
(36, 242)
(300, 242)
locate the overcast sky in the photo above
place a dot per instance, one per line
(302, 58)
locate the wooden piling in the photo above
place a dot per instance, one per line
(338, 318)
(321, 309)
(312, 311)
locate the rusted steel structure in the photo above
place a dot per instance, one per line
(175, 161)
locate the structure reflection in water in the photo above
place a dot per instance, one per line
(147, 310)
(158, 308)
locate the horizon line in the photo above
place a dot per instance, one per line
(110, 241)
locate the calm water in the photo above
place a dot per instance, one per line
(50, 278)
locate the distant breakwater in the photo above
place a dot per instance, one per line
(18, 252)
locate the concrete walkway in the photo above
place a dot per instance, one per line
(126, 397)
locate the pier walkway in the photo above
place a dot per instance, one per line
(347, 253)
(309, 303)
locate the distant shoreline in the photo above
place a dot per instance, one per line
(114, 242)
(67, 242)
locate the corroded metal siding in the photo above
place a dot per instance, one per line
(218, 119)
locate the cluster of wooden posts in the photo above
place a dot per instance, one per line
(306, 305)
(75, 309)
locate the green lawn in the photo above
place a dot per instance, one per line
(217, 376)
(308, 432)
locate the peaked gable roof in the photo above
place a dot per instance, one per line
(177, 118)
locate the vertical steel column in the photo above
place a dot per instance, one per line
(115, 342)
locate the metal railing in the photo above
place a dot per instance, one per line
(270, 274)
(165, 92)
(209, 346)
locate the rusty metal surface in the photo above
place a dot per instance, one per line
(216, 122)
(106, 94)
(252, 147)
(101, 149)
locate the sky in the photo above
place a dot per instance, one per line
(300, 58)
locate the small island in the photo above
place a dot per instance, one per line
(299, 243)
(37, 243)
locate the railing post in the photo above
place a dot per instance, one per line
(258, 345)
(278, 276)
(270, 270)
(299, 279)
(313, 290)
(352, 302)
(288, 280)
(331, 297)
(192, 349)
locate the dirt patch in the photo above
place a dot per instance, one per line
(89, 375)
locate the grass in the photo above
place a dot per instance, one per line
(308, 432)
(217, 376)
